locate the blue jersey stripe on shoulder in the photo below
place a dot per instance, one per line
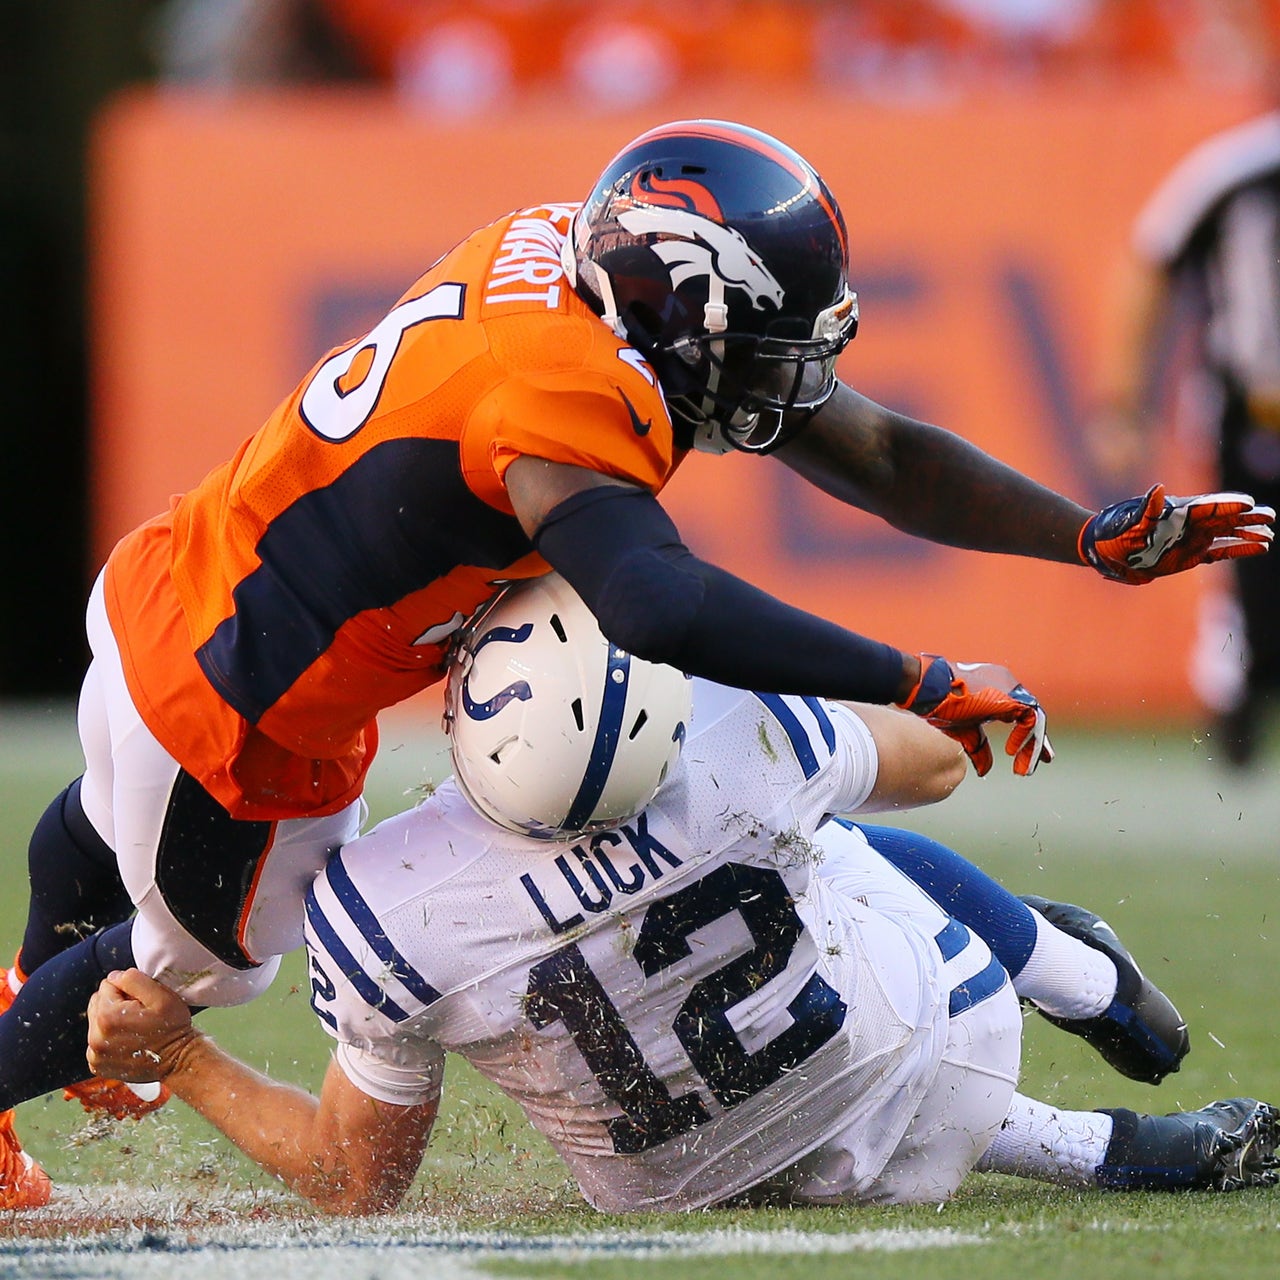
(364, 919)
(825, 727)
(795, 731)
(372, 994)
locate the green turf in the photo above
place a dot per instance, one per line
(1143, 825)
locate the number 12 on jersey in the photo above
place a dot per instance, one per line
(563, 988)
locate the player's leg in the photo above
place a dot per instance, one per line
(217, 899)
(1066, 961)
(75, 885)
(218, 903)
(222, 900)
(42, 1036)
(1224, 1146)
(969, 1085)
(960, 1116)
(1139, 1032)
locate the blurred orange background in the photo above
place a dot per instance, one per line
(236, 239)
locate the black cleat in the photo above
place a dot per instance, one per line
(1140, 1033)
(1225, 1146)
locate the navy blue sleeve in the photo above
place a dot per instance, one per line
(653, 597)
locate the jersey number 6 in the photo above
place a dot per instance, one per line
(336, 411)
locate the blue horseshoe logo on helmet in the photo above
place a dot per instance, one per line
(519, 691)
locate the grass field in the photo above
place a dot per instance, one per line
(1144, 826)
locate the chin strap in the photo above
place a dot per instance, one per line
(600, 284)
(715, 315)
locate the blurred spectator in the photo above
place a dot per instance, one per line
(465, 55)
(1021, 39)
(459, 55)
(1220, 43)
(1206, 249)
(241, 43)
(898, 50)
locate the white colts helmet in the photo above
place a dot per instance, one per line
(554, 731)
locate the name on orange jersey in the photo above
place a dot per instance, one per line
(527, 267)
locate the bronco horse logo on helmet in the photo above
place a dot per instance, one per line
(701, 247)
(720, 255)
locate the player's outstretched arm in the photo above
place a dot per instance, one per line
(929, 482)
(935, 485)
(345, 1152)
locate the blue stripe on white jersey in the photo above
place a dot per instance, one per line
(363, 917)
(807, 726)
(825, 727)
(370, 992)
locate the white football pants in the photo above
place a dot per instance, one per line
(128, 786)
(971, 1093)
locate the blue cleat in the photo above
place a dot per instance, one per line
(1140, 1033)
(1225, 1146)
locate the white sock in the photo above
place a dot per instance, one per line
(1064, 976)
(1040, 1141)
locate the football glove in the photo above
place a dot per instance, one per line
(1148, 537)
(960, 700)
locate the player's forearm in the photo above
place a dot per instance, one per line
(932, 483)
(276, 1126)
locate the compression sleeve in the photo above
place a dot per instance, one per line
(653, 597)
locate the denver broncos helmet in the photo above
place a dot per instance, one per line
(721, 255)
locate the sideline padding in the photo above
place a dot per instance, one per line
(235, 241)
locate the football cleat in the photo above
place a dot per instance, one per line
(23, 1183)
(1140, 1033)
(1225, 1146)
(11, 981)
(98, 1097)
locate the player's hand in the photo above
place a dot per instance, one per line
(138, 1029)
(959, 700)
(1154, 535)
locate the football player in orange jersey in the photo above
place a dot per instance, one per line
(520, 407)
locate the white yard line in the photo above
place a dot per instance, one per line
(255, 1237)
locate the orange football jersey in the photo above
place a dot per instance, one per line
(317, 576)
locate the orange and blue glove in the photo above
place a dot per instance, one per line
(960, 700)
(1154, 535)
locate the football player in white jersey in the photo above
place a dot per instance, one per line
(634, 910)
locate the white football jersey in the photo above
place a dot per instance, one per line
(680, 1005)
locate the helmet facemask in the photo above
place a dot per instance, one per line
(721, 256)
(745, 387)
